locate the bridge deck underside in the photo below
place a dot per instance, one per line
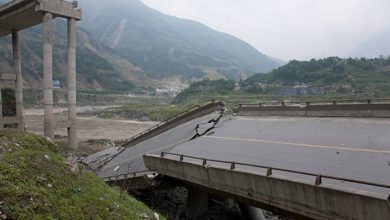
(343, 147)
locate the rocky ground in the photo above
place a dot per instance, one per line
(94, 133)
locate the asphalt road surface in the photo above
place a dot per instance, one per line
(344, 147)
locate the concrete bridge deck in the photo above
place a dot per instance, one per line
(344, 147)
(352, 154)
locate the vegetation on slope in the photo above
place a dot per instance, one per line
(328, 78)
(369, 76)
(205, 88)
(35, 183)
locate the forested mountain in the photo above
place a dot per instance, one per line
(330, 74)
(165, 45)
(124, 42)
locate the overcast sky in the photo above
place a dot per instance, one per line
(288, 29)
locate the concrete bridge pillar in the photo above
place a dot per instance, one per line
(48, 124)
(197, 203)
(72, 130)
(19, 79)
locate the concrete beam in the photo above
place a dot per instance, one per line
(48, 127)
(22, 14)
(60, 8)
(19, 79)
(72, 130)
(276, 192)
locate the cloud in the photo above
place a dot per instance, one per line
(288, 29)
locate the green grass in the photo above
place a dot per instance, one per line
(35, 183)
(147, 111)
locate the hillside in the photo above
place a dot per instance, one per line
(328, 75)
(122, 45)
(98, 67)
(35, 183)
(164, 45)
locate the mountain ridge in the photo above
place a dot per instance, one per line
(122, 45)
(377, 46)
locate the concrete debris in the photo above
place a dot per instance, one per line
(73, 163)
(47, 157)
(143, 216)
(99, 159)
(49, 185)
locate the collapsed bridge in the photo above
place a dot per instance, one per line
(317, 160)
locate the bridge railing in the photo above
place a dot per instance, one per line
(320, 102)
(318, 177)
(162, 126)
(126, 175)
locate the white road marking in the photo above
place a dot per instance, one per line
(301, 145)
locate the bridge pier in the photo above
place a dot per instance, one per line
(19, 79)
(197, 203)
(48, 127)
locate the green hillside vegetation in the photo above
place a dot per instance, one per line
(368, 76)
(328, 78)
(35, 183)
(206, 89)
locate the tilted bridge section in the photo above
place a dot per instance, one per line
(332, 163)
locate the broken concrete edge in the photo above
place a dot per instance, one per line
(98, 160)
(112, 170)
(174, 122)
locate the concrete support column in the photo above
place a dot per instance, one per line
(72, 130)
(48, 124)
(197, 203)
(19, 79)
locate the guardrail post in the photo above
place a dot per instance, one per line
(318, 180)
(334, 103)
(204, 162)
(181, 157)
(162, 154)
(233, 166)
(283, 104)
(368, 101)
(269, 171)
